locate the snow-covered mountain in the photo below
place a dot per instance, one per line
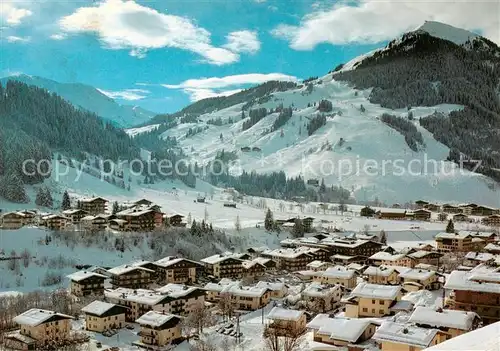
(90, 99)
(353, 132)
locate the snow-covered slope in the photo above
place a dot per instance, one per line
(350, 139)
(91, 99)
(445, 31)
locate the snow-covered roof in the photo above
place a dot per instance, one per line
(154, 319)
(176, 290)
(483, 339)
(375, 291)
(492, 247)
(386, 256)
(81, 275)
(317, 264)
(338, 272)
(171, 260)
(318, 290)
(278, 286)
(344, 329)
(417, 274)
(290, 252)
(473, 281)
(72, 211)
(36, 316)
(342, 257)
(382, 271)
(480, 256)
(129, 267)
(142, 296)
(459, 235)
(404, 334)
(98, 308)
(443, 318)
(214, 259)
(285, 314)
(420, 254)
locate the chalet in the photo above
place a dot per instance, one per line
(76, 215)
(352, 247)
(95, 223)
(103, 316)
(13, 220)
(393, 336)
(313, 182)
(85, 283)
(421, 203)
(140, 220)
(269, 264)
(29, 216)
(318, 265)
(143, 202)
(251, 299)
(488, 237)
(383, 275)
(175, 220)
(493, 248)
(432, 207)
(483, 211)
(291, 259)
(419, 279)
(341, 332)
(118, 224)
(367, 212)
(337, 275)
(226, 265)
(171, 298)
(422, 215)
(345, 260)
(39, 329)
(278, 290)
(426, 257)
(253, 269)
(493, 220)
(447, 208)
(450, 323)
(321, 298)
(286, 321)
(158, 330)
(473, 259)
(178, 270)
(460, 217)
(454, 242)
(371, 300)
(131, 276)
(394, 214)
(385, 258)
(467, 208)
(56, 222)
(94, 206)
(476, 292)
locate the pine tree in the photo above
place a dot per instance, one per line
(195, 229)
(189, 218)
(49, 201)
(450, 228)
(298, 229)
(66, 202)
(116, 207)
(269, 220)
(237, 224)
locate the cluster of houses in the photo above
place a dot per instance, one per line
(423, 212)
(93, 215)
(360, 280)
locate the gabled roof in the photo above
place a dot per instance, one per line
(171, 260)
(382, 271)
(459, 235)
(98, 308)
(36, 316)
(338, 272)
(417, 274)
(155, 319)
(343, 329)
(81, 275)
(473, 281)
(285, 314)
(386, 256)
(376, 291)
(443, 318)
(405, 334)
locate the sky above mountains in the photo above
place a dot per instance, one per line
(163, 54)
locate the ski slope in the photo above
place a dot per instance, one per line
(366, 141)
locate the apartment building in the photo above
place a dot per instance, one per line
(103, 316)
(226, 265)
(394, 336)
(139, 220)
(337, 275)
(158, 330)
(341, 332)
(383, 275)
(371, 300)
(178, 270)
(94, 223)
(450, 323)
(131, 276)
(419, 279)
(385, 258)
(318, 265)
(426, 257)
(278, 289)
(292, 259)
(38, 329)
(351, 247)
(184, 299)
(454, 242)
(321, 298)
(94, 206)
(286, 322)
(477, 292)
(244, 298)
(86, 283)
(253, 269)
(13, 220)
(56, 222)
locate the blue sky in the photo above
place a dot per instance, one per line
(163, 54)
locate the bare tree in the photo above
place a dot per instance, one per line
(226, 305)
(283, 339)
(366, 229)
(198, 318)
(203, 345)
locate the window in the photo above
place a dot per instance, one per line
(365, 309)
(373, 302)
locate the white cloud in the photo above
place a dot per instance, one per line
(243, 41)
(128, 25)
(373, 21)
(11, 13)
(203, 88)
(58, 36)
(127, 94)
(16, 39)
